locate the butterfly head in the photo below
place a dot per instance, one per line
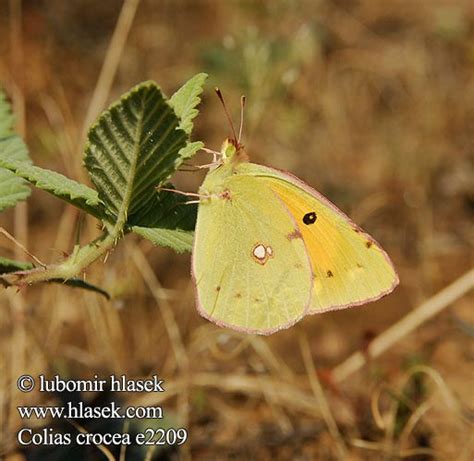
(232, 150)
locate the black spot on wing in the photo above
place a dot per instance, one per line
(368, 244)
(310, 218)
(329, 274)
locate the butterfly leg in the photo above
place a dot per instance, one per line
(187, 194)
(207, 166)
(180, 192)
(215, 155)
(189, 168)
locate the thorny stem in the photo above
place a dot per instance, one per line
(69, 268)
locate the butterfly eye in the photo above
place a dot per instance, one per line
(310, 218)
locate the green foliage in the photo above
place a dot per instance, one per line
(189, 150)
(171, 225)
(132, 149)
(59, 185)
(180, 240)
(12, 188)
(185, 100)
(79, 283)
(136, 145)
(10, 265)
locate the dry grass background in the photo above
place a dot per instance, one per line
(372, 103)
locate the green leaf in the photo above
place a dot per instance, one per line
(133, 148)
(12, 189)
(12, 147)
(60, 186)
(189, 150)
(79, 283)
(177, 239)
(9, 265)
(169, 210)
(170, 222)
(185, 100)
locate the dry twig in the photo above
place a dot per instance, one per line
(112, 59)
(20, 246)
(406, 325)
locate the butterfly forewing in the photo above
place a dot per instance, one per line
(349, 266)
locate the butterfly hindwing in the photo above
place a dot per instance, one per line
(349, 266)
(250, 273)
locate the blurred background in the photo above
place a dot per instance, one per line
(370, 102)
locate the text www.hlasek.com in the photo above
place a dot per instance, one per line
(80, 410)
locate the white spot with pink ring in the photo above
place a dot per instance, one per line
(262, 253)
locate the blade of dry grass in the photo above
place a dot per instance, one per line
(16, 44)
(318, 391)
(167, 312)
(17, 61)
(18, 350)
(413, 420)
(390, 452)
(219, 354)
(105, 451)
(449, 399)
(278, 412)
(123, 448)
(272, 361)
(277, 391)
(149, 453)
(406, 325)
(20, 246)
(111, 62)
(174, 335)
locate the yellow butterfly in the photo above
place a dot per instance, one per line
(269, 249)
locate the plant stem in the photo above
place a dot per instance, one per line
(71, 267)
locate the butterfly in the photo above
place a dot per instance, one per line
(269, 249)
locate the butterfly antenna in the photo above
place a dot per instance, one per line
(229, 119)
(242, 106)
